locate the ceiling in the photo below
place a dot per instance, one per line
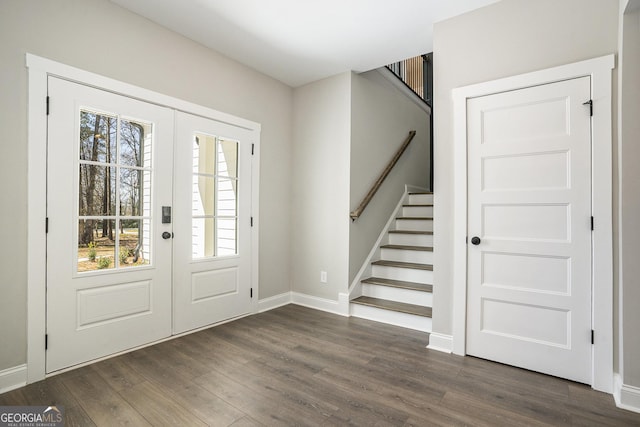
(301, 41)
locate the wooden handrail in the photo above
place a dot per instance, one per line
(356, 214)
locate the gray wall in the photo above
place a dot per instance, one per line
(346, 128)
(101, 37)
(320, 205)
(629, 143)
(381, 118)
(507, 38)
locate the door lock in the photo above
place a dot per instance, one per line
(475, 240)
(166, 235)
(166, 214)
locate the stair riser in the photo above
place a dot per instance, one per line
(405, 255)
(404, 320)
(408, 296)
(420, 199)
(414, 224)
(404, 274)
(411, 239)
(417, 211)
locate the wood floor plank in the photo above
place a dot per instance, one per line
(52, 392)
(265, 408)
(473, 409)
(207, 406)
(260, 378)
(101, 403)
(164, 365)
(158, 408)
(77, 417)
(119, 374)
(246, 421)
(518, 398)
(297, 366)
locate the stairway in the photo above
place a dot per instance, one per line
(399, 291)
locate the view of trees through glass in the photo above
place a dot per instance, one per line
(114, 214)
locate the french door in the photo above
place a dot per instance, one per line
(212, 275)
(140, 244)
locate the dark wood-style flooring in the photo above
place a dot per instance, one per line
(297, 366)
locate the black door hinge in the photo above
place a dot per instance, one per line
(251, 293)
(592, 337)
(252, 221)
(252, 147)
(46, 341)
(590, 104)
(47, 105)
(46, 225)
(592, 224)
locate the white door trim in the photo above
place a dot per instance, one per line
(38, 70)
(599, 69)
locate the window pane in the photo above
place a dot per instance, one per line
(134, 243)
(227, 197)
(227, 158)
(97, 190)
(96, 245)
(226, 236)
(98, 137)
(131, 195)
(135, 144)
(202, 237)
(204, 154)
(203, 200)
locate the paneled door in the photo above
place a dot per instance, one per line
(212, 257)
(108, 267)
(529, 227)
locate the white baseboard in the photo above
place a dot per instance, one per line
(626, 396)
(13, 378)
(340, 307)
(440, 342)
(274, 302)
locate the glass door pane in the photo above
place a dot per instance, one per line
(114, 192)
(215, 198)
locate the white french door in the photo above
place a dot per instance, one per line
(108, 269)
(212, 276)
(529, 227)
(140, 245)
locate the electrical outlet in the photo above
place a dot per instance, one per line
(323, 277)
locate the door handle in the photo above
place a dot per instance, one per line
(475, 240)
(166, 235)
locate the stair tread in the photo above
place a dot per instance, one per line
(401, 307)
(399, 284)
(414, 217)
(410, 232)
(423, 192)
(409, 247)
(400, 264)
(428, 205)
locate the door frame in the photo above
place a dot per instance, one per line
(39, 69)
(600, 71)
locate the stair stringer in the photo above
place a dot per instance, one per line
(355, 289)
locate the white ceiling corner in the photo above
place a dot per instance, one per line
(301, 41)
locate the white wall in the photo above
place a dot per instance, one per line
(381, 118)
(507, 38)
(320, 182)
(101, 37)
(629, 150)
